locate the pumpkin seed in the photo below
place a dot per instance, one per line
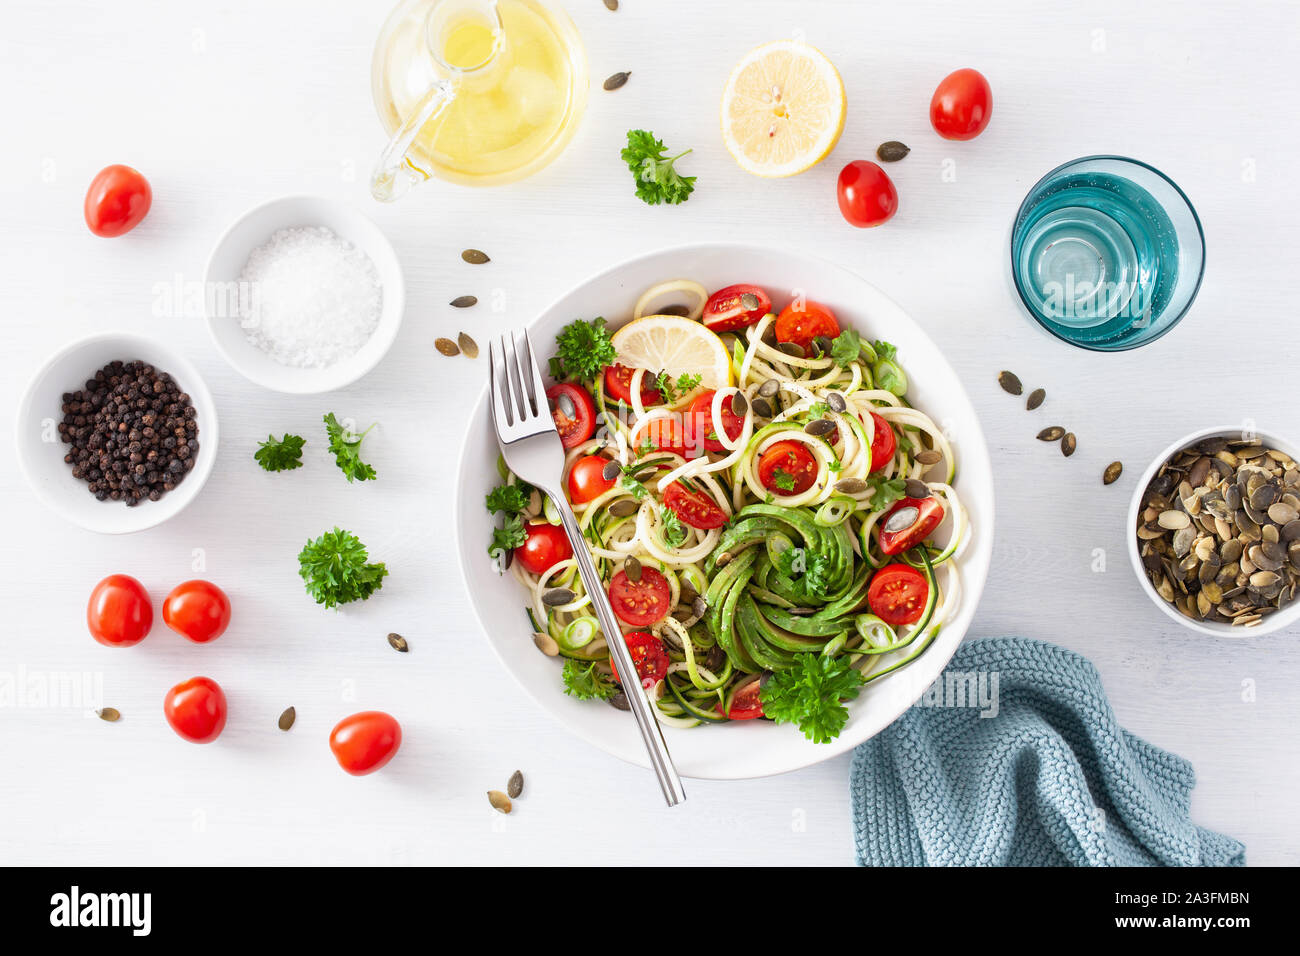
(287, 718)
(611, 4)
(546, 644)
(1199, 472)
(516, 785)
(739, 404)
(769, 388)
(699, 606)
(901, 519)
(820, 426)
(474, 257)
(110, 714)
(915, 488)
(1010, 382)
(762, 407)
(617, 80)
(611, 470)
(619, 701)
(632, 568)
(1112, 473)
(892, 151)
(1174, 520)
(850, 486)
(793, 349)
(467, 345)
(749, 301)
(557, 596)
(447, 347)
(1281, 513)
(464, 301)
(623, 507)
(821, 346)
(1035, 398)
(398, 643)
(500, 802)
(929, 457)
(1068, 444)
(565, 404)
(837, 404)
(1051, 433)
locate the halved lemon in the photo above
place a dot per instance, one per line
(783, 109)
(677, 346)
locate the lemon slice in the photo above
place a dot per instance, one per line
(783, 109)
(678, 346)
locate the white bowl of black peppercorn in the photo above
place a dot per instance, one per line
(115, 446)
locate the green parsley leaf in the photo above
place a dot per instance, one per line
(508, 537)
(582, 350)
(818, 410)
(510, 499)
(656, 179)
(634, 487)
(674, 531)
(282, 455)
(783, 479)
(337, 571)
(846, 348)
(811, 694)
(583, 682)
(346, 448)
(884, 350)
(671, 391)
(810, 570)
(885, 493)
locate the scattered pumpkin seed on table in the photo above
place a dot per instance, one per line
(516, 785)
(500, 802)
(892, 151)
(1010, 382)
(611, 4)
(287, 718)
(398, 643)
(1035, 398)
(617, 80)
(475, 257)
(467, 345)
(446, 346)
(1068, 444)
(464, 301)
(1112, 473)
(109, 714)
(1051, 433)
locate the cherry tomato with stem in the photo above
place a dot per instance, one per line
(119, 613)
(198, 610)
(196, 709)
(867, 195)
(694, 507)
(587, 479)
(909, 523)
(545, 545)
(118, 198)
(898, 594)
(962, 105)
(801, 322)
(883, 443)
(649, 654)
(727, 309)
(574, 413)
(365, 742)
(641, 602)
(787, 468)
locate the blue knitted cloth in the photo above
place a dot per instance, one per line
(1045, 778)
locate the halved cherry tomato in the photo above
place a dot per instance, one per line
(787, 468)
(642, 602)
(671, 434)
(897, 594)
(196, 709)
(119, 613)
(700, 415)
(803, 324)
(364, 742)
(909, 523)
(587, 480)
(883, 443)
(576, 428)
(724, 312)
(198, 610)
(745, 703)
(118, 198)
(867, 194)
(962, 105)
(618, 382)
(649, 654)
(695, 508)
(545, 545)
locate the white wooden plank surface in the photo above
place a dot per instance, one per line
(223, 105)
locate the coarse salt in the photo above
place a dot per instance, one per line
(315, 298)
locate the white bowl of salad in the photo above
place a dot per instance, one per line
(787, 492)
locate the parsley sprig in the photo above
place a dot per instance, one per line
(582, 350)
(282, 455)
(585, 683)
(810, 569)
(345, 446)
(337, 570)
(671, 391)
(657, 181)
(673, 530)
(811, 694)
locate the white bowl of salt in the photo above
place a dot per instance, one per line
(303, 295)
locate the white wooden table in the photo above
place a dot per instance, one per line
(223, 106)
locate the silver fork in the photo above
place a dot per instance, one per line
(531, 447)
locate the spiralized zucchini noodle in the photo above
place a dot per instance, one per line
(791, 570)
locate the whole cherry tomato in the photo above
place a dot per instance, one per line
(962, 105)
(198, 610)
(365, 742)
(118, 198)
(587, 479)
(787, 468)
(898, 594)
(119, 613)
(800, 322)
(196, 709)
(867, 194)
(545, 545)
(643, 601)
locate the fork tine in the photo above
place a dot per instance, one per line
(498, 382)
(515, 379)
(536, 387)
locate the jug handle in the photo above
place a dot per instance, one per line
(396, 172)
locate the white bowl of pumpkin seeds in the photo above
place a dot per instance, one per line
(1214, 532)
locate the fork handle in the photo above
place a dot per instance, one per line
(642, 709)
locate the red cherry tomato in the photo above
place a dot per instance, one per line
(587, 480)
(909, 523)
(118, 198)
(671, 435)
(867, 195)
(883, 443)
(725, 312)
(897, 594)
(198, 610)
(700, 415)
(962, 105)
(545, 545)
(119, 613)
(787, 468)
(744, 702)
(650, 657)
(576, 428)
(643, 602)
(618, 382)
(365, 742)
(695, 508)
(196, 709)
(800, 323)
